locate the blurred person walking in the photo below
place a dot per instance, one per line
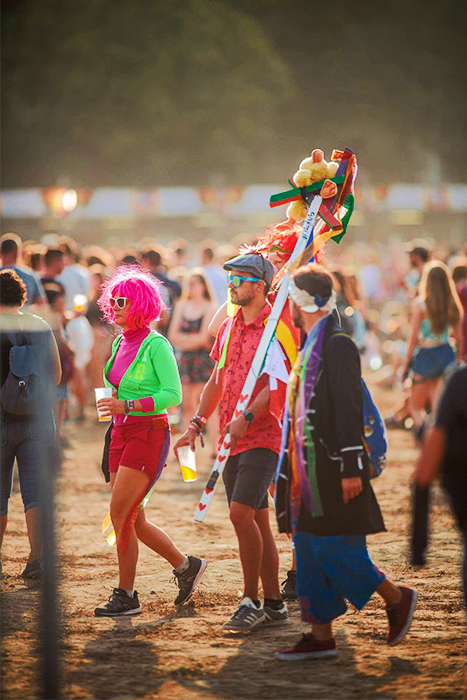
(75, 277)
(436, 322)
(419, 252)
(444, 451)
(348, 307)
(459, 276)
(143, 374)
(324, 496)
(254, 440)
(54, 264)
(80, 340)
(215, 273)
(57, 318)
(171, 291)
(10, 253)
(437, 316)
(189, 334)
(101, 328)
(29, 363)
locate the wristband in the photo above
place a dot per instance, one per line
(197, 422)
(201, 419)
(193, 426)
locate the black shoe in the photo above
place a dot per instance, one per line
(289, 591)
(188, 580)
(119, 604)
(33, 570)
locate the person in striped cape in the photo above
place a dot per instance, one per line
(323, 491)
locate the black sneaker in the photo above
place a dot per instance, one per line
(189, 579)
(33, 570)
(289, 591)
(119, 604)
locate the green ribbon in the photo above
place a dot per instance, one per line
(349, 204)
(315, 187)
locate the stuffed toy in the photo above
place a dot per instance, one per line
(312, 169)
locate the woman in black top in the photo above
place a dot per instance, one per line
(23, 433)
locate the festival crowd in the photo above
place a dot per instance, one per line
(153, 323)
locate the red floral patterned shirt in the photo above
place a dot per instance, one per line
(265, 430)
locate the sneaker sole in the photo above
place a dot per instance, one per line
(201, 571)
(245, 629)
(408, 622)
(271, 622)
(325, 654)
(276, 623)
(136, 611)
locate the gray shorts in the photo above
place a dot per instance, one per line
(248, 475)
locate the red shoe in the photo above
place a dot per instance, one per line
(400, 615)
(309, 648)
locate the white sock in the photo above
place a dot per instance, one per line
(130, 594)
(183, 567)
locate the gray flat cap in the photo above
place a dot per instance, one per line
(253, 263)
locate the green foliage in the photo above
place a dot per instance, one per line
(139, 93)
(155, 92)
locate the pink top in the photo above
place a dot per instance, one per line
(126, 353)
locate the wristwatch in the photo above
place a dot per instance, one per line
(248, 416)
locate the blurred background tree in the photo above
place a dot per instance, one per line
(150, 93)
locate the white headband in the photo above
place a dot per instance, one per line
(311, 304)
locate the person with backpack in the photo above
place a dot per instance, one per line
(29, 369)
(323, 493)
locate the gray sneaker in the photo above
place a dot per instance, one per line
(276, 618)
(246, 616)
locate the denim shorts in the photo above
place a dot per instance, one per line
(248, 475)
(22, 440)
(430, 363)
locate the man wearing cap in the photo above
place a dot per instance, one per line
(255, 440)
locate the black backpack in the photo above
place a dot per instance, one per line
(20, 394)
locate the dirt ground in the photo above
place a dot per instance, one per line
(166, 653)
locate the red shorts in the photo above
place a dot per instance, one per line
(143, 446)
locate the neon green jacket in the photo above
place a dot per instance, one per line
(153, 373)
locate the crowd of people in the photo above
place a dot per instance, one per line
(153, 322)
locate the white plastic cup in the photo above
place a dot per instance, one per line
(104, 392)
(187, 460)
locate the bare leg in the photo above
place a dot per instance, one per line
(212, 429)
(418, 401)
(270, 560)
(33, 528)
(250, 544)
(157, 540)
(389, 592)
(128, 489)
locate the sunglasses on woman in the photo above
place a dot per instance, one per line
(119, 302)
(236, 280)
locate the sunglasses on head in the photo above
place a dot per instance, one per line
(119, 302)
(236, 280)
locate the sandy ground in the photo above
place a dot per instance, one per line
(167, 653)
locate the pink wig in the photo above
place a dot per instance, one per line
(141, 288)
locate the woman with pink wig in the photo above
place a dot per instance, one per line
(143, 374)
